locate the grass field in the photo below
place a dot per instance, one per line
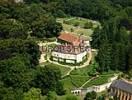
(98, 81)
(74, 81)
(79, 76)
(78, 29)
(84, 71)
(103, 78)
(67, 84)
(78, 80)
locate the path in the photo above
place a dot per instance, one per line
(70, 19)
(73, 67)
(87, 62)
(113, 78)
(42, 58)
(61, 20)
(68, 73)
(87, 82)
(67, 66)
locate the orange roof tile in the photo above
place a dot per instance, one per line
(74, 40)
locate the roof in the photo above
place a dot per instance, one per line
(68, 37)
(123, 85)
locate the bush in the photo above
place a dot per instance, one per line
(90, 96)
(72, 30)
(51, 96)
(76, 24)
(60, 14)
(71, 97)
(88, 25)
(66, 22)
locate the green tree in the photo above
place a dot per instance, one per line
(32, 94)
(104, 57)
(96, 38)
(29, 49)
(88, 25)
(46, 26)
(90, 96)
(101, 98)
(51, 96)
(10, 93)
(14, 73)
(11, 28)
(129, 56)
(47, 78)
(71, 97)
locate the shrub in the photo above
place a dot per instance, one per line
(71, 97)
(88, 25)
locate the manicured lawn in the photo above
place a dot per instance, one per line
(67, 84)
(80, 21)
(80, 76)
(74, 81)
(78, 80)
(79, 29)
(99, 80)
(63, 70)
(83, 71)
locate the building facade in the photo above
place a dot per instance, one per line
(97, 88)
(69, 58)
(121, 89)
(72, 49)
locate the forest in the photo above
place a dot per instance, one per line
(20, 73)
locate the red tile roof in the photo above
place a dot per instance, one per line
(68, 37)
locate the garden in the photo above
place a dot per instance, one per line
(78, 25)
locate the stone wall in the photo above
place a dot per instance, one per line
(99, 88)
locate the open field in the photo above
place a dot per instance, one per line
(76, 25)
(83, 71)
(74, 81)
(98, 81)
(78, 31)
(79, 76)
(78, 80)
(102, 79)
(67, 84)
(80, 21)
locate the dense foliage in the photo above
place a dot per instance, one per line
(19, 55)
(114, 43)
(91, 96)
(22, 20)
(20, 76)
